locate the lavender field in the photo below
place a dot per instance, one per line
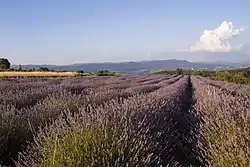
(124, 121)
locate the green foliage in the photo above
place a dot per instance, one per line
(11, 69)
(4, 64)
(80, 71)
(246, 72)
(20, 67)
(44, 69)
(201, 73)
(236, 77)
(179, 71)
(105, 73)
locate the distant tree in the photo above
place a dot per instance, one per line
(80, 71)
(247, 72)
(179, 71)
(11, 69)
(43, 69)
(4, 64)
(105, 73)
(20, 67)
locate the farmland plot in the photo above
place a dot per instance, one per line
(143, 120)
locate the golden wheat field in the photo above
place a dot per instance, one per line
(37, 74)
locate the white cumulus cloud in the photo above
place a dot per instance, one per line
(219, 39)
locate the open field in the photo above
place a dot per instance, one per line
(37, 74)
(139, 120)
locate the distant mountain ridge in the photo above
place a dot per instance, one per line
(133, 67)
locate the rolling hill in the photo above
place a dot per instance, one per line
(133, 67)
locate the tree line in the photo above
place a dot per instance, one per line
(6, 66)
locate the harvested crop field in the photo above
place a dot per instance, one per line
(114, 121)
(36, 74)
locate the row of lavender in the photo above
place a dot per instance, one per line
(225, 117)
(233, 88)
(24, 93)
(27, 106)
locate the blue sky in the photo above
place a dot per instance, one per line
(82, 31)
